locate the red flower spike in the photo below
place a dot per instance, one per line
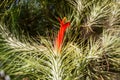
(60, 36)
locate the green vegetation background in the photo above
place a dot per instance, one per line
(91, 49)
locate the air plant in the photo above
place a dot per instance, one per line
(84, 53)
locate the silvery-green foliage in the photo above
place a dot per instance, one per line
(91, 48)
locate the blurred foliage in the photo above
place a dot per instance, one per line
(30, 16)
(91, 49)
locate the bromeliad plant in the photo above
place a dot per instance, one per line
(89, 50)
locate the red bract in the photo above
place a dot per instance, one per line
(60, 36)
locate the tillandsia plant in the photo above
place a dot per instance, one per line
(89, 50)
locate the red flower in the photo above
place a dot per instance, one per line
(60, 36)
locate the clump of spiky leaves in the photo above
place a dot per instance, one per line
(82, 57)
(91, 16)
(95, 60)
